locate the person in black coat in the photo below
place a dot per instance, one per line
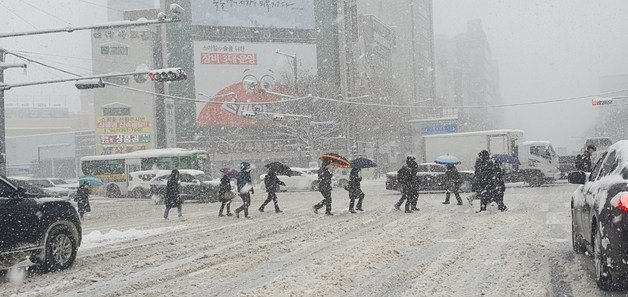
(583, 161)
(483, 179)
(173, 197)
(272, 183)
(498, 186)
(324, 186)
(453, 180)
(245, 188)
(225, 187)
(82, 199)
(355, 190)
(409, 183)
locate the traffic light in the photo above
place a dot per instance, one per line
(602, 101)
(90, 84)
(169, 74)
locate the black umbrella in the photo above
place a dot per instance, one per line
(362, 163)
(279, 168)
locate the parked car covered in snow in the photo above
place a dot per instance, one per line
(431, 178)
(51, 189)
(193, 185)
(139, 182)
(599, 215)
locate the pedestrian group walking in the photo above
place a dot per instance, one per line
(488, 186)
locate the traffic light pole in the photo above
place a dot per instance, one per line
(3, 149)
(3, 67)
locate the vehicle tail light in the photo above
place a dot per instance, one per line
(622, 201)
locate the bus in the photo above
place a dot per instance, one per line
(114, 170)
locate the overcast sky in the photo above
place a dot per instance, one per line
(546, 50)
(28, 15)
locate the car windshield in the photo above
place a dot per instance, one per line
(44, 183)
(58, 181)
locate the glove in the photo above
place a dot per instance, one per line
(252, 191)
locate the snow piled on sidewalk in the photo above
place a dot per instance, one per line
(96, 238)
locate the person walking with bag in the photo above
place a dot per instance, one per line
(173, 196)
(245, 188)
(272, 183)
(224, 194)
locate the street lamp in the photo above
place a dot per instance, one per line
(296, 69)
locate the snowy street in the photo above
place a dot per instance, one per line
(443, 250)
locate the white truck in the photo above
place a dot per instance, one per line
(538, 162)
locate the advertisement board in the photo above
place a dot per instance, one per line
(286, 14)
(123, 134)
(229, 70)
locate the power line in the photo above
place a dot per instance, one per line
(75, 58)
(17, 15)
(47, 13)
(339, 100)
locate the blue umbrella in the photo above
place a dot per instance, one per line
(447, 160)
(91, 181)
(506, 159)
(362, 163)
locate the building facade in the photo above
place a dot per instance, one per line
(467, 76)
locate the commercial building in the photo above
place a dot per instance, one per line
(413, 55)
(466, 75)
(127, 120)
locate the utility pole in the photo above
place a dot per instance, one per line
(3, 147)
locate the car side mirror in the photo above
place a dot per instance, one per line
(577, 178)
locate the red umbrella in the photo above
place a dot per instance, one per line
(336, 160)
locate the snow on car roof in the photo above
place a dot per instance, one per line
(489, 132)
(172, 152)
(531, 143)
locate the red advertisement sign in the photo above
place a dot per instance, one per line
(232, 111)
(228, 59)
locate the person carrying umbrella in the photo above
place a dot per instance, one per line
(408, 180)
(173, 196)
(245, 188)
(272, 183)
(355, 191)
(82, 199)
(224, 191)
(453, 181)
(324, 186)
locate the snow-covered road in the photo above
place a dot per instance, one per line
(443, 250)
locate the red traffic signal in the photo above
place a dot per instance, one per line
(602, 101)
(169, 74)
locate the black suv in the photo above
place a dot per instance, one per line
(47, 231)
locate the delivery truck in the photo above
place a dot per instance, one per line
(536, 161)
